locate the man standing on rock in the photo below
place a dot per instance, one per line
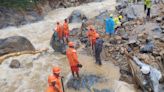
(59, 31)
(54, 81)
(60, 34)
(73, 59)
(66, 30)
(98, 49)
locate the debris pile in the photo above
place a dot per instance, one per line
(142, 38)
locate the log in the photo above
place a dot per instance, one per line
(2, 58)
(136, 73)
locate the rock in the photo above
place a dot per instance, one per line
(157, 29)
(147, 48)
(118, 38)
(15, 64)
(102, 16)
(57, 45)
(13, 17)
(75, 32)
(161, 39)
(131, 12)
(15, 44)
(86, 81)
(84, 40)
(155, 53)
(133, 42)
(125, 37)
(113, 41)
(142, 35)
(129, 49)
(162, 52)
(77, 16)
(122, 5)
(162, 27)
(159, 20)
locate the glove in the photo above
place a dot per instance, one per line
(79, 65)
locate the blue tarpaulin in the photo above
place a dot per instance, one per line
(109, 24)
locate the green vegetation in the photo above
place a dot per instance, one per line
(19, 4)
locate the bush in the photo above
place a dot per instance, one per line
(19, 4)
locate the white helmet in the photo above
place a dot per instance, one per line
(145, 69)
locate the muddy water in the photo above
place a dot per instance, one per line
(32, 76)
(107, 71)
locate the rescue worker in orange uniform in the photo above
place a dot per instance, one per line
(59, 31)
(73, 59)
(92, 37)
(66, 29)
(54, 81)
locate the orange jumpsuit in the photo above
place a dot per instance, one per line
(73, 59)
(59, 30)
(92, 36)
(66, 30)
(50, 89)
(58, 84)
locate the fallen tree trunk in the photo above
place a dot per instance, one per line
(136, 73)
(2, 58)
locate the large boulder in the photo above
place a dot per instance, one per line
(147, 48)
(12, 17)
(77, 16)
(123, 4)
(15, 44)
(132, 12)
(57, 45)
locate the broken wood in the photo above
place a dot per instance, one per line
(2, 58)
(136, 73)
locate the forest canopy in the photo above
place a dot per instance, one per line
(19, 4)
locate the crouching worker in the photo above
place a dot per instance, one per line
(73, 59)
(54, 81)
(98, 49)
(151, 76)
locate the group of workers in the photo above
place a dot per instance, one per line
(112, 24)
(96, 43)
(54, 80)
(55, 83)
(62, 31)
